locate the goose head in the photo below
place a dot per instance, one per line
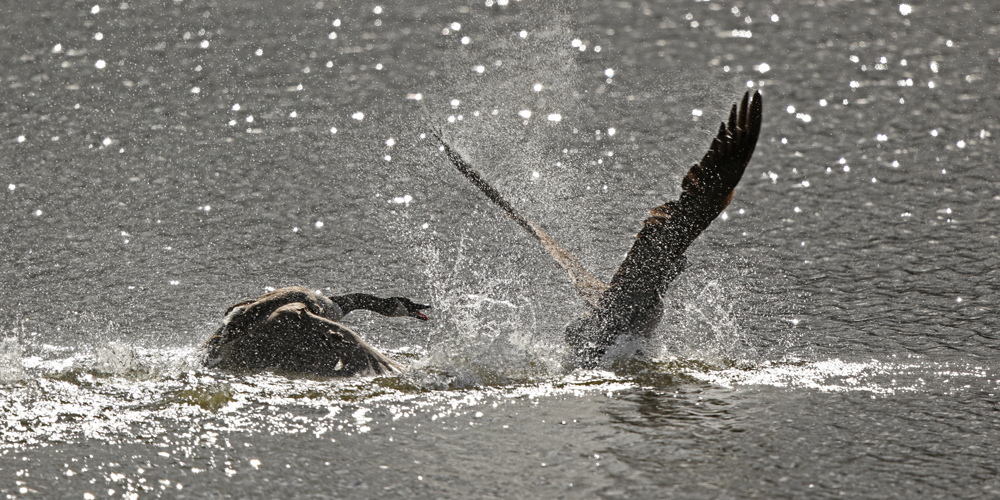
(407, 307)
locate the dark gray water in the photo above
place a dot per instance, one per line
(835, 335)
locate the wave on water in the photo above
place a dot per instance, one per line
(125, 394)
(877, 377)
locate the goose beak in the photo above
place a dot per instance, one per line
(419, 315)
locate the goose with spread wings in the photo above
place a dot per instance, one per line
(631, 305)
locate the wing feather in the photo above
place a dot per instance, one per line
(589, 287)
(657, 255)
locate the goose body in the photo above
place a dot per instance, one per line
(295, 329)
(631, 305)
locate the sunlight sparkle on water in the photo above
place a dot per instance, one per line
(905, 9)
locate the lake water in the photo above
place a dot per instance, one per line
(836, 333)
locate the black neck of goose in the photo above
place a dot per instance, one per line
(368, 302)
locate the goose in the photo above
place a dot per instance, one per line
(297, 330)
(631, 305)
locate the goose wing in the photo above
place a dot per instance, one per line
(296, 339)
(657, 255)
(589, 287)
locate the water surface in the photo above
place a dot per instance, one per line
(835, 334)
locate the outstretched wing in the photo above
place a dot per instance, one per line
(589, 287)
(657, 255)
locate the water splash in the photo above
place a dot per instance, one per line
(489, 333)
(11, 364)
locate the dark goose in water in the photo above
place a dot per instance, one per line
(295, 329)
(632, 305)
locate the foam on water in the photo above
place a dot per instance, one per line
(123, 394)
(877, 377)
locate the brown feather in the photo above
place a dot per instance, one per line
(706, 191)
(590, 288)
